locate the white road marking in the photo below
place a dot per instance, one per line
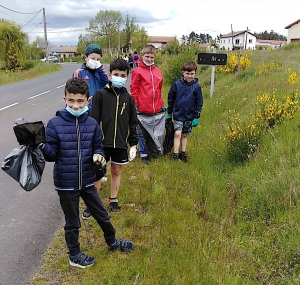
(32, 97)
(9, 106)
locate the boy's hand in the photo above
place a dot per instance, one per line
(99, 159)
(195, 122)
(132, 153)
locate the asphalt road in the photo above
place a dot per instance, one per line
(28, 220)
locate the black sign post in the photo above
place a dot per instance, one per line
(212, 59)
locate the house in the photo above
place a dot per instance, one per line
(269, 43)
(160, 41)
(293, 32)
(62, 52)
(237, 40)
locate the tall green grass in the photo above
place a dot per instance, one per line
(210, 221)
(40, 69)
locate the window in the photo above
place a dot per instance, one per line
(237, 41)
(229, 41)
(250, 41)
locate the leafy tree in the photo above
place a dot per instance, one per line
(139, 38)
(129, 29)
(270, 36)
(13, 43)
(107, 24)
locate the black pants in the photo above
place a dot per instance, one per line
(69, 201)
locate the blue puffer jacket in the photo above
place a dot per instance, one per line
(71, 143)
(185, 100)
(96, 79)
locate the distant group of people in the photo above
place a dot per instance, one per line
(132, 59)
(102, 122)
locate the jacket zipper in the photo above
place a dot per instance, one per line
(79, 155)
(153, 89)
(116, 119)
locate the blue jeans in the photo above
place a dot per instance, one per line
(143, 151)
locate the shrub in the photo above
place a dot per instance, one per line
(28, 64)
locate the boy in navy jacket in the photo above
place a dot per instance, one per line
(185, 103)
(74, 143)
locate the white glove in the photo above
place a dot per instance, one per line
(99, 159)
(132, 153)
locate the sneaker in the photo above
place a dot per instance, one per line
(122, 244)
(175, 156)
(183, 157)
(146, 160)
(86, 214)
(114, 207)
(81, 260)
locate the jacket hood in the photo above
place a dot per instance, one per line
(195, 80)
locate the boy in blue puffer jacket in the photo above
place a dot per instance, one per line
(74, 143)
(185, 102)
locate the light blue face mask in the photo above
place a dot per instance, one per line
(148, 64)
(78, 112)
(117, 81)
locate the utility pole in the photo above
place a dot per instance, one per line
(45, 34)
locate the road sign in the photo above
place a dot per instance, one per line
(212, 58)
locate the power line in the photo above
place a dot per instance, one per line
(31, 19)
(19, 12)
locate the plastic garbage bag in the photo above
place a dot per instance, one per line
(25, 165)
(169, 137)
(29, 133)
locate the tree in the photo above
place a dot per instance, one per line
(13, 43)
(107, 24)
(139, 38)
(129, 29)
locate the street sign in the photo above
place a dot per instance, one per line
(212, 58)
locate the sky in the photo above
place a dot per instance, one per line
(67, 19)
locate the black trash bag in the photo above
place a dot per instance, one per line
(169, 137)
(25, 165)
(149, 143)
(29, 133)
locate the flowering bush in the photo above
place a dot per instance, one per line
(242, 138)
(266, 68)
(233, 62)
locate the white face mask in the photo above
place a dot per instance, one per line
(93, 64)
(148, 64)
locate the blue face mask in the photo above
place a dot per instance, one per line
(78, 112)
(117, 81)
(148, 64)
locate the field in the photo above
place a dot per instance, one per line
(219, 219)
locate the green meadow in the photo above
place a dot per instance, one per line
(228, 216)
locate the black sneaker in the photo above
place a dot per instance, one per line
(183, 157)
(86, 214)
(122, 244)
(114, 207)
(175, 156)
(145, 160)
(81, 260)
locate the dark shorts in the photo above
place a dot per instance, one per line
(116, 155)
(185, 127)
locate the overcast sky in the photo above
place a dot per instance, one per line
(67, 19)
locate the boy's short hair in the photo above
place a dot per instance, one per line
(93, 48)
(77, 85)
(189, 66)
(120, 64)
(149, 49)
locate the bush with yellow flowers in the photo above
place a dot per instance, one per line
(242, 138)
(235, 60)
(266, 68)
(292, 77)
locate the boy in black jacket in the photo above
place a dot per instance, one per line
(114, 109)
